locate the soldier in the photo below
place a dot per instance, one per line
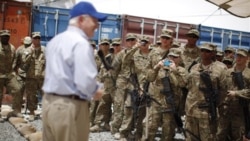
(191, 51)
(104, 45)
(205, 83)
(122, 76)
(21, 64)
(176, 44)
(137, 60)
(158, 42)
(104, 111)
(7, 75)
(35, 61)
(228, 62)
(219, 55)
(231, 121)
(161, 112)
(229, 52)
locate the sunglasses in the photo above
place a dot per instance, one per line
(206, 51)
(227, 63)
(115, 45)
(105, 44)
(166, 38)
(228, 51)
(37, 38)
(192, 36)
(130, 40)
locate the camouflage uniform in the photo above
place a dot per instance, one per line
(198, 122)
(104, 111)
(231, 121)
(122, 76)
(20, 65)
(190, 57)
(7, 77)
(35, 61)
(137, 61)
(94, 104)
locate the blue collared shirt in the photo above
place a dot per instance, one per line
(70, 65)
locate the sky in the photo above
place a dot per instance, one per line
(185, 11)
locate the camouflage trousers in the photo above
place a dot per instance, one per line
(200, 128)
(118, 109)
(104, 109)
(32, 88)
(13, 86)
(92, 110)
(230, 127)
(156, 119)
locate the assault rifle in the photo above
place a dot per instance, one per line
(238, 79)
(210, 95)
(135, 98)
(104, 61)
(169, 97)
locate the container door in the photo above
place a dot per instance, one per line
(15, 16)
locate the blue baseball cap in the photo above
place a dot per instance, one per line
(87, 8)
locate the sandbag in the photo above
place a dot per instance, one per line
(37, 136)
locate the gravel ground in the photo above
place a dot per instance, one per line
(9, 133)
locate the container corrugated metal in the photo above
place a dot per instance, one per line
(224, 37)
(51, 21)
(16, 17)
(152, 27)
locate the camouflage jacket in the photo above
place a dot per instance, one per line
(196, 96)
(177, 78)
(7, 55)
(190, 55)
(36, 62)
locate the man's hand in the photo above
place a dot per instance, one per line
(231, 93)
(98, 94)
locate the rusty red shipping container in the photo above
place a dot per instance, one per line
(16, 17)
(153, 27)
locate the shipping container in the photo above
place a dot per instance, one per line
(16, 17)
(152, 27)
(224, 37)
(51, 21)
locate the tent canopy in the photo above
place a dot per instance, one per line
(239, 8)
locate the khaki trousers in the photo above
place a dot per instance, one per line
(65, 119)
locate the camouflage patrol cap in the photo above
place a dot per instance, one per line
(176, 44)
(27, 40)
(5, 32)
(194, 32)
(208, 46)
(242, 52)
(130, 36)
(116, 41)
(144, 38)
(36, 34)
(227, 60)
(174, 52)
(219, 52)
(167, 33)
(230, 49)
(104, 41)
(92, 42)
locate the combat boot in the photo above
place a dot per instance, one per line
(106, 127)
(1, 120)
(31, 118)
(117, 136)
(95, 128)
